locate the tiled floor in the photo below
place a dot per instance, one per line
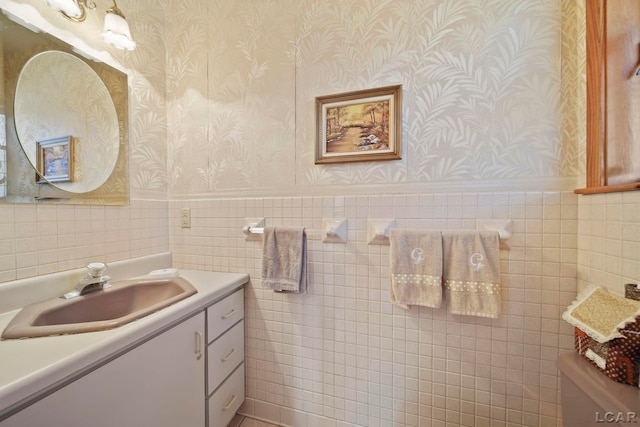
(240, 421)
(249, 422)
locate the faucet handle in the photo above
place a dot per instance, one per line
(96, 269)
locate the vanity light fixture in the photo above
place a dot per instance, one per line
(73, 10)
(116, 30)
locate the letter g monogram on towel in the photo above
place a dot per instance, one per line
(417, 255)
(476, 261)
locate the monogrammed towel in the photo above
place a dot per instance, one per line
(471, 272)
(416, 268)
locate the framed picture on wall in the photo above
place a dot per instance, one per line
(364, 125)
(54, 159)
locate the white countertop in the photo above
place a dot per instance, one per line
(32, 366)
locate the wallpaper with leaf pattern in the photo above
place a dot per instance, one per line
(222, 92)
(146, 67)
(483, 91)
(231, 79)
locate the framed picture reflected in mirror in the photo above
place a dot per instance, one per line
(55, 160)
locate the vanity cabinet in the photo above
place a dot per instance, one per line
(225, 359)
(159, 383)
(191, 375)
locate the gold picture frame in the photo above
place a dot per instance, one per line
(364, 125)
(54, 160)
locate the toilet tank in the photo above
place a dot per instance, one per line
(590, 399)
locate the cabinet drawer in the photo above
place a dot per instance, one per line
(226, 401)
(224, 354)
(223, 314)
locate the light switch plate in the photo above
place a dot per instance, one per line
(185, 218)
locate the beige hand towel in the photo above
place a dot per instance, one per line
(472, 272)
(416, 268)
(284, 259)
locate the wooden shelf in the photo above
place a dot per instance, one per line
(608, 188)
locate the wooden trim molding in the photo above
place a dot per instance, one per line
(597, 105)
(596, 96)
(608, 188)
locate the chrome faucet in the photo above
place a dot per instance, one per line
(95, 280)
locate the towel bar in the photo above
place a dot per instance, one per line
(334, 231)
(247, 230)
(502, 226)
(378, 230)
(253, 223)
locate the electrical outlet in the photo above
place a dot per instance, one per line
(185, 218)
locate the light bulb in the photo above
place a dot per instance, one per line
(116, 31)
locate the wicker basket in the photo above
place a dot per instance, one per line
(619, 358)
(631, 291)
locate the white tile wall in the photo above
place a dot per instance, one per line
(609, 240)
(44, 238)
(342, 355)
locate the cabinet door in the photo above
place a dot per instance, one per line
(158, 384)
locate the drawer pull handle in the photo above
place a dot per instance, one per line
(198, 349)
(229, 314)
(230, 404)
(228, 356)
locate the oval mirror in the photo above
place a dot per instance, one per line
(66, 122)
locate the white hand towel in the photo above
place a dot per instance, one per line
(284, 259)
(472, 272)
(416, 268)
